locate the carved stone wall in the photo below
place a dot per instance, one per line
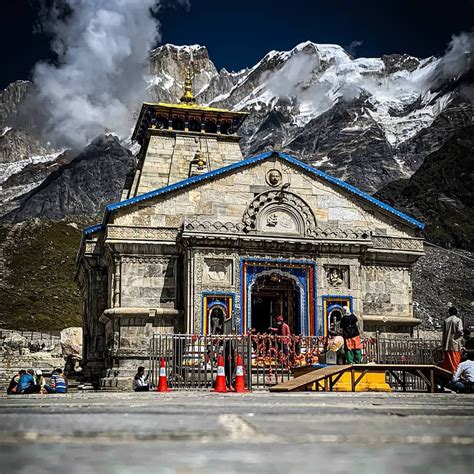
(216, 271)
(230, 197)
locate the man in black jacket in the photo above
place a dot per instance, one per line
(351, 335)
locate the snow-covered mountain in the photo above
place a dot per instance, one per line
(369, 121)
(359, 119)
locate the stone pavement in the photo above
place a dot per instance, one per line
(193, 432)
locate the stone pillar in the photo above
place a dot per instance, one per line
(116, 282)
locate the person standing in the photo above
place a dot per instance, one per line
(282, 329)
(351, 335)
(452, 336)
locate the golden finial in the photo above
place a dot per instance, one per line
(188, 97)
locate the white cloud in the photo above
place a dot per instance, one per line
(98, 80)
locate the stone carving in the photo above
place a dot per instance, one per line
(91, 247)
(147, 259)
(218, 271)
(142, 233)
(273, 216)
(268, 208)
(398, 243)
(336, 276)
(274, 178)
(217, 226)
(281, 221)
(231, 259)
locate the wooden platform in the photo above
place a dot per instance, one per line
(430, 374)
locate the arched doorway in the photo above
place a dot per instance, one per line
(274, 293)
(334, 315)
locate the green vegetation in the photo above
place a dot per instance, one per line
(38, 291)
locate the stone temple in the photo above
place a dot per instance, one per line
(204, 240)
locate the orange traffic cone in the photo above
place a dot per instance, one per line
(220, 385)
(163, 381)
(239, 376)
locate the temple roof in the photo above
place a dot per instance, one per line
(187, 106)
(248, 162)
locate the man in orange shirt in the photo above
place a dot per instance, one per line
(282, 329)
(452, 336)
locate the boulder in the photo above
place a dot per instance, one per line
(71, 342)
(15, 343)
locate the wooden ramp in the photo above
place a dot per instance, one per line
(432, 375)
(299, 383)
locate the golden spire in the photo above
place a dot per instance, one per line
(188, 97)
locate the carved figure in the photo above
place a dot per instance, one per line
(217, 272)
(274, 177)
(335, 277)
(272, 220)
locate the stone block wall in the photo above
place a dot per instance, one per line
(387, 291)
(149, 282)
(168, 158)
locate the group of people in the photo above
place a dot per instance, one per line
(32, 381)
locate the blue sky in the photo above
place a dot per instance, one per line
(239, 33)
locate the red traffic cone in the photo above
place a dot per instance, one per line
(163, 380)
(220, 385)
(239, 376)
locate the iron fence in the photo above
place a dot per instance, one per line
(192, 360)
(408, 351)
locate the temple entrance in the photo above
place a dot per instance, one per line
(272, 295)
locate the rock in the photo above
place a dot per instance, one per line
(71, 342)
(83, 186)
(15, 343)
(10, 98)
(441, 192)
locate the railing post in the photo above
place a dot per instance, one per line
(377, 347)
(249, 361)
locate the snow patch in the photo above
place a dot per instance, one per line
(9, 169)
(5, 131)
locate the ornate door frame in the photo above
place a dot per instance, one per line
(302, 272)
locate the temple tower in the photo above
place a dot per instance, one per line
(182, 140)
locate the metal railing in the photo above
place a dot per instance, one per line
(191, 359)
(408, 351)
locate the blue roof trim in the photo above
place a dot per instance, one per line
(93, 228)
(354, 190)
(255, 159)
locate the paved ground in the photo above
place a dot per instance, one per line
(227, 433)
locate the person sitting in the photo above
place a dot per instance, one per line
(463, 378)
(39, 379)
(13, 385)
(26, 383)
(58, 382)
(139, 381)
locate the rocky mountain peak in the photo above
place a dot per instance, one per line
(168, 65)
(399, 62)
(10, 98)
